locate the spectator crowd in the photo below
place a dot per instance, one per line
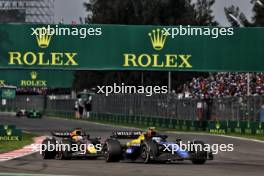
(224, 84)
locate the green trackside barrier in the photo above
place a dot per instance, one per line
(146, 120)
(260, 128)
(120, 120)
(93, 116)
(2, 132)
(196, 125)
(178, 125)
(100, 117)
(130, 120)
(173, 123)
(5, 127)
(139, 120)
(123, 119)
(165, 123)
(186, 125)
(135, 119)
(217, 127)
(96, 117)
(16, 133)
(236, 127)
(105, 117)
(115, 118)
(127, 121)
(151, 121)
(108, 116)
(10, 133)
(250, 127)
(170, 125)
(154, 121)
(143, 120)
(159, 122)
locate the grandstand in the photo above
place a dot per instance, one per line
(225, 84)
(27, 11)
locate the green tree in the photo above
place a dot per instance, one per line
(204, 13)
(237, 18)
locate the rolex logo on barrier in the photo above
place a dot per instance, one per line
(43, 39)
(158, 38)
(9, 132)
(34, 75)
(218, 125)
(158, 41)
(43, 59)
(34, 82)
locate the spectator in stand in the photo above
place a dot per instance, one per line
(224, 84)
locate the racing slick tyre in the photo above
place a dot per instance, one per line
(112, 150)
(47, 154)
(149, 150)
(65, 152)
(199, 156)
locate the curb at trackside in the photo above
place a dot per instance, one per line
(25, 151)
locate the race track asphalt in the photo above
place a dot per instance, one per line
(246, 159)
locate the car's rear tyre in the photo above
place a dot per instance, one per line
(48, 154)
(149, 150)
(200, 155)
(112, 151)
(65, 152)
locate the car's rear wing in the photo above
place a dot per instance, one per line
(126, 134)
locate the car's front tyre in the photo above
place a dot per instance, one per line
(112, 151)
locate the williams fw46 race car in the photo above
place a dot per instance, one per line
(29, 113)
(68, 145)
(149, 147)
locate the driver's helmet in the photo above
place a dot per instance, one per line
(77, 132)
(151, 132)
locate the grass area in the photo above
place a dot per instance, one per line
(27, 138)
